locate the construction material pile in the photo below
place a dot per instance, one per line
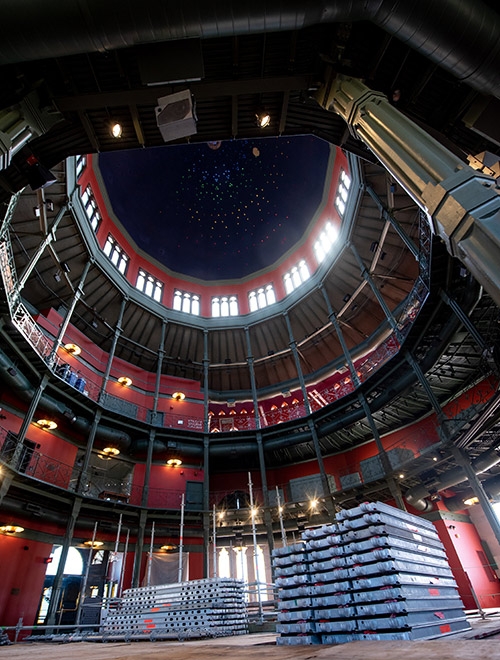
(378, 573)
(187, 610)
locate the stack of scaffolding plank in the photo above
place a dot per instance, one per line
(378, 573)
(200, 608)
(293, 580)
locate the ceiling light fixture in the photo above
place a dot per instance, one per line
(174, 462)
(263, 118)
(125, 381)
(116, 129)
(73, 349)
(94, 544)
(11, 529)
(178, 396)
(111, 451)
(471, 501)
(46, 424)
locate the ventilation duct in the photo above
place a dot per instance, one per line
(416, 495)
(438, 30)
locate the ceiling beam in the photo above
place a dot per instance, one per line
(150, 95)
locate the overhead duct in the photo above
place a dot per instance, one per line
(416, 495)
(457, 503)
(38, 30)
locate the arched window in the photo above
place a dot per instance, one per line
(295, 276)
(186, 302)
(73, 565)
(116, 254)
(215, 307)
(224, 306)
(261, 297)
(233, 306)
(270, 295)
(149, 285)
(252, 301)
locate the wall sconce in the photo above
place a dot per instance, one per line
(178, 396)
(125, 381)
(46, 424)
(94, 544)
(11, 529)
(111, 451)
(168, 547)
(174, 462)
(72, 349)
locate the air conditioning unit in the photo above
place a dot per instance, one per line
(175, 116)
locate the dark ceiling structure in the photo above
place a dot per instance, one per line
(438, 62)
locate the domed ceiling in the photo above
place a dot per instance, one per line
(219, 210)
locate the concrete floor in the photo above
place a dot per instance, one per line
(254, 647)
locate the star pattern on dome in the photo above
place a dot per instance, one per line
(221, 210)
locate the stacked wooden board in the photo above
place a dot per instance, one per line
(200, 608)
(377, 573)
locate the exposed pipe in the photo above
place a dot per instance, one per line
(38, 30)
(416, 495)
(456, 503)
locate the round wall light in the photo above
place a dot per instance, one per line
(125, 381)
(11, 529)
(46, 424)
(178, 396)
(73, 349)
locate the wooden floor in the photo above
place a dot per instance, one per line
(262, 646)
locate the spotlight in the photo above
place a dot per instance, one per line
(93, 544)
(471, 501)
(178, 396)
(263, 118)
(174, 462)
(125, 381)
(116, 129)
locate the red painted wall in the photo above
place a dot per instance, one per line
(462, 543)
(23, 574)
